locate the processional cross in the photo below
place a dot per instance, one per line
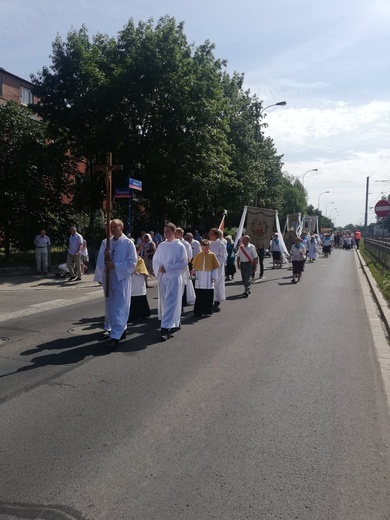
(108, 168)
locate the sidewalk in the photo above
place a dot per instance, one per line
(28, 281)
(380, 301)
(19, 280)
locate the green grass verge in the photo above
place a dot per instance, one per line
(380, 273)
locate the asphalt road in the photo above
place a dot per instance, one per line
(272, 409)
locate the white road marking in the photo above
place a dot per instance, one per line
(48, 306)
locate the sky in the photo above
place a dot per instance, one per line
(327, 60)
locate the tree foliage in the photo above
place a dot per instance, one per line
(170, 113)
(34, 177)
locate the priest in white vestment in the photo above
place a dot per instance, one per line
(219, 249)
(169, 264)
(121, 260)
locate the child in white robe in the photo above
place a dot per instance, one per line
(205, 270)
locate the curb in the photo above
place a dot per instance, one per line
(381, 303)
(16, 271)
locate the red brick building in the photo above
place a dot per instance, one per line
(13, 88)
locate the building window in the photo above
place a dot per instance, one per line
(26, 96)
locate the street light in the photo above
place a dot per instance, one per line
(303, 178)
(318, 207)
(278, 104)
(326, 208)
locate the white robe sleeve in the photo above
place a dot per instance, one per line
(99, 270)
(127, 263)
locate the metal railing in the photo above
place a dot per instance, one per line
(379, 249)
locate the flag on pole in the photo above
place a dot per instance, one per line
(222, 224)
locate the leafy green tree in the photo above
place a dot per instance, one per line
(294, 199)
(153, 100)
(170, 113)
(35, 177)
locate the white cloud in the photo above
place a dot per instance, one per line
(294, 127)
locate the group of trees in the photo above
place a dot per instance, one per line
(168, 111)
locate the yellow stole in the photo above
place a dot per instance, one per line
(141, 267)
(211, 262)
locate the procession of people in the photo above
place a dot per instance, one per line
(188, 272)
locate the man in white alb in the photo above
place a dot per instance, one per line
(169, 263)
(121, 260)
(219, 249)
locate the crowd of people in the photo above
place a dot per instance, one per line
(189, 269)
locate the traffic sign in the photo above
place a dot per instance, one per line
(121, 193)
(382, 208)
(135, 184)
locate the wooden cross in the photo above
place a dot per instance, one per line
(108, 168)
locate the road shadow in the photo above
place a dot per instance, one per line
(235, 297)
(75, 349)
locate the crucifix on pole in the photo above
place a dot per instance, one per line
(108, 168)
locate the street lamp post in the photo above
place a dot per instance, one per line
(303, 178)
(319, 196)
(278, 104)
(326, 208)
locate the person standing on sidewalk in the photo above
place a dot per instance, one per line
(74, 255)
(42, 244)
(247, 260)
(358, 237)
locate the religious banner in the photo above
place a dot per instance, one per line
(289, 239)
(309, 225)
(260, 224)
(293, 221)
(316, 225)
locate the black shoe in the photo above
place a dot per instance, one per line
(124, 334)
(78, 279)
(245, 295)
(112, 343)
(174, 329)
(249, 291)
(72, 279)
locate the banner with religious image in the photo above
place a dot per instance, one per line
(308, 225)
(293, 221)
(289, 239)
(260, 225)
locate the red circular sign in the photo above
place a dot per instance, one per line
(382, 208)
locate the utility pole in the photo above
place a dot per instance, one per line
(108, 168)
(366, 211)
